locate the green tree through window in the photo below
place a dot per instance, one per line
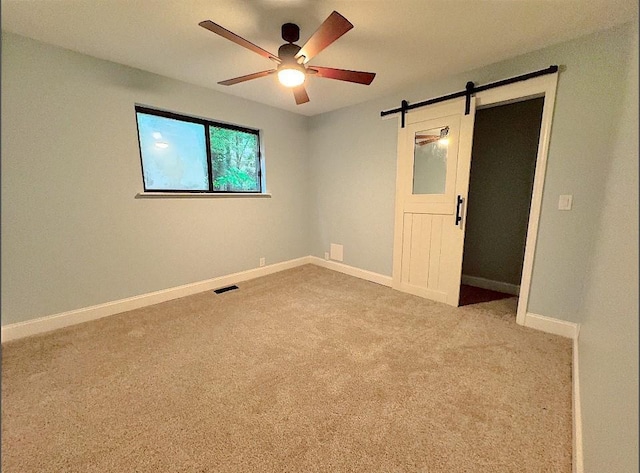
(234, 156)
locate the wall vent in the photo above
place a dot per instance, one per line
(225, 289)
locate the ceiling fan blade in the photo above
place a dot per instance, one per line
(255, 75)
(300, 95)
(358, 77)
(422, 140)
(225, 33)
(331, 29)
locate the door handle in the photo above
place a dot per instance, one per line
(458, 216)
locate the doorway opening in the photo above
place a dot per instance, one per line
(503, 168)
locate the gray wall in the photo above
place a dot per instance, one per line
(608, 347)
(73, 234)
(353, 164)
(505, 146)
(353, 159)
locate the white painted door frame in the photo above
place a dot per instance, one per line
(542, 86)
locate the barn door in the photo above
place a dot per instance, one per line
(434, 158)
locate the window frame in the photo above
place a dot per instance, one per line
(207, 123)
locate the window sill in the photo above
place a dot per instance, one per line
(200, 195)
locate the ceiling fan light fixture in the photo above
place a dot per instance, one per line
(444, 136)
(291, 76)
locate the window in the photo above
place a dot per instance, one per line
(179, 153)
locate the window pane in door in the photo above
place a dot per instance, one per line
(430, 161)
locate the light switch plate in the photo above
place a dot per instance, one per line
(337, 252)
(565, 202)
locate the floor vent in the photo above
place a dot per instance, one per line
(225, 289)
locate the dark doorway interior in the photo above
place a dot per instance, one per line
(475, 295)
(505, 148)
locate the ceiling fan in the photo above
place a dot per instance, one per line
(292, 59)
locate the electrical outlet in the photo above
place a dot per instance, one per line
(326, 255)
(565, 202)
(262, 262)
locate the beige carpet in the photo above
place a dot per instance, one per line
(307, 370)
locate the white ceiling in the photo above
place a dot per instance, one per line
(403, 41)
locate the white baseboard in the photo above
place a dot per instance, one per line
(352, 271)
(484, 283)
(551, 325)
(578, 456)
(86, 314)
(569, 330)
(73, 317)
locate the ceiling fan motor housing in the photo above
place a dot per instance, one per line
(290, 32)
(287, 53)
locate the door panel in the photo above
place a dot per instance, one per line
(441, 208)
(435, 252)
(418, 258)
(422, 255)
(434, 153)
